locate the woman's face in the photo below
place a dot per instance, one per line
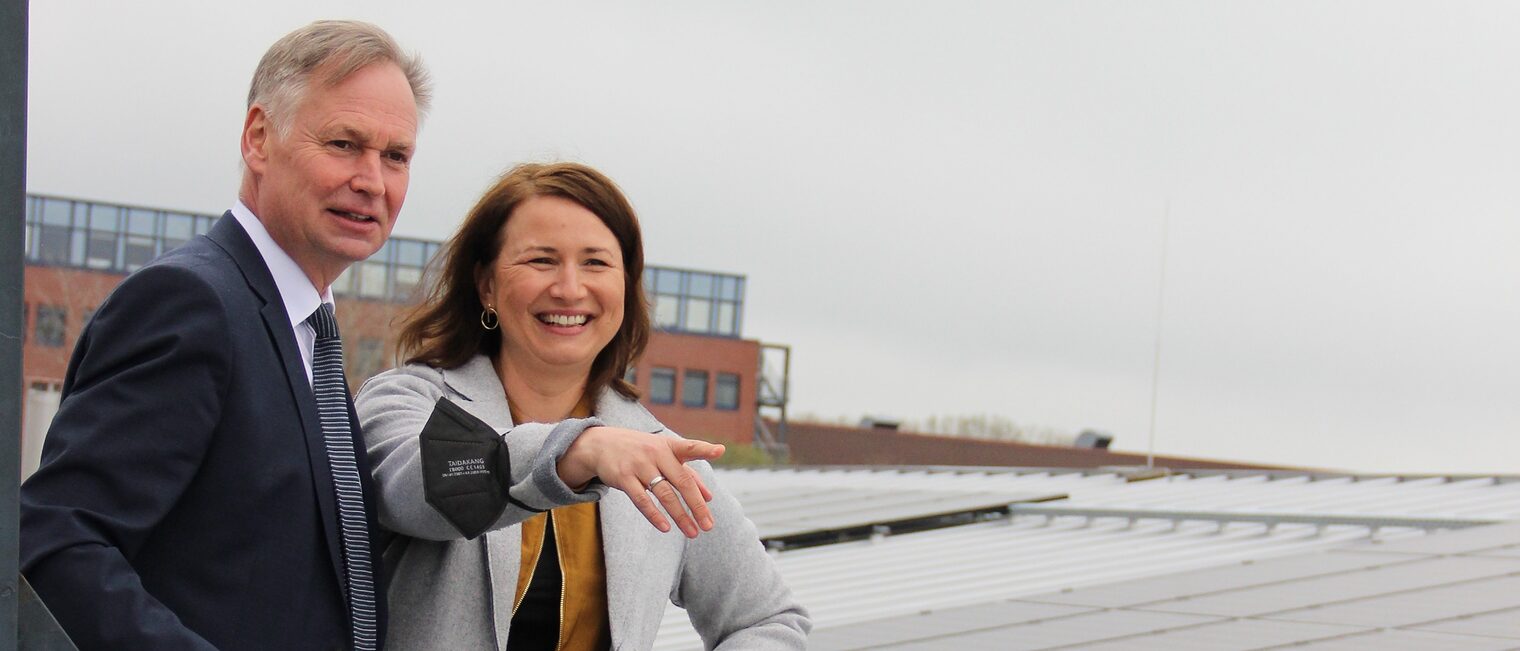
(557, 286)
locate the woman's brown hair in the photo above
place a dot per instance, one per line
(445, 330)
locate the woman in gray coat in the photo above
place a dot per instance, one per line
(494, 447)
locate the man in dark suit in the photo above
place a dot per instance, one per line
(203, 484)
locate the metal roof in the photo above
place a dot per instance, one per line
(1369, 596)
(1245, 538)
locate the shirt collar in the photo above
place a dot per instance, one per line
(296, 290)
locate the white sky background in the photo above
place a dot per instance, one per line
(956, 208)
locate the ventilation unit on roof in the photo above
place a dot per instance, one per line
(1093, 440)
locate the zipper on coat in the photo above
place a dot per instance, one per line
(564, 584)
(531, 569)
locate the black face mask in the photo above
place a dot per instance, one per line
(465, 468)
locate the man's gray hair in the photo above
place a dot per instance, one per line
(336, 48)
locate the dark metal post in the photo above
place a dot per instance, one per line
(25, 622)
(13, 27)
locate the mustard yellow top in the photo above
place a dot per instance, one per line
(583, 624)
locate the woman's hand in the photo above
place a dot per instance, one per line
(631, 461)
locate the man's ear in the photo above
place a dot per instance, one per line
(257, 133)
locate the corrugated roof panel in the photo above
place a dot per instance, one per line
(1078, 629)
(1229, 577)
(982, 562)
(1318, 591)
(1410, 608)
(1502, 623)
(1384, 640)
(1502, 552)
(1228, 635)
(935, 625)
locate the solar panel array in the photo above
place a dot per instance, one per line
(1456, 590)
(1141, 582)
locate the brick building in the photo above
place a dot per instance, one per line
(698, 376)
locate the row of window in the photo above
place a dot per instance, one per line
(695, 301)
(693, 387)
(120, 239)
(50, 327)
(103, 237)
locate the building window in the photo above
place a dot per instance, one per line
(54, 232)
(178, 229)
(407, 281)
(726, 392)
(698, 315)
(727, 324)
(344, 285)
(662, 385)
(694, 389)
(104, 231)
(667, 311)
(51, 320)
(368, 359)
(203, 224)
(411, 257)
(372, 279)
(141, 242)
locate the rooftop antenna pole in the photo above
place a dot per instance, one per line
(1150, 447)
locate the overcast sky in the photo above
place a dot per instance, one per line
(958, 207)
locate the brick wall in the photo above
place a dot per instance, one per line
(714, 355)
(815, 444)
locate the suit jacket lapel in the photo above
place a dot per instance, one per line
(228, 234)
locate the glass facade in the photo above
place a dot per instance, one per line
(120, 239)
(697, 302)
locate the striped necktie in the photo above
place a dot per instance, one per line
(332, 405)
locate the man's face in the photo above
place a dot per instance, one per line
(328, 190)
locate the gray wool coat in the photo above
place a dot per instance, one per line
(450, 593)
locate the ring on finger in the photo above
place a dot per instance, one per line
(657, 479)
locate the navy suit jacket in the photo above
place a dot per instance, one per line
(184, 499)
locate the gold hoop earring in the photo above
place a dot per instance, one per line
(488, 318)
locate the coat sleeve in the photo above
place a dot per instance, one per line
(729, 584)
(394, 406)
(140, 406)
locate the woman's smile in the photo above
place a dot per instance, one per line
(557, 285)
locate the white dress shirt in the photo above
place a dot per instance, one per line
(299, 295)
